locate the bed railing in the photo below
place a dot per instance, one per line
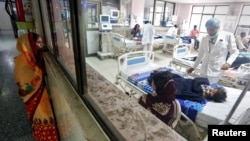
(134, 59)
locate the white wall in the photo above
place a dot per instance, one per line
(37, 17)
(6, 23)
(137, 9)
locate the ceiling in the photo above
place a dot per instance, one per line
(149, 3)
(205, 1)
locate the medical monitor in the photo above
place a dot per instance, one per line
(115, 14)
(104, 19)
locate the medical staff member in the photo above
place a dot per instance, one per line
(148, 36)
(213, 52)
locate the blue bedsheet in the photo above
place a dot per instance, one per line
(190, 108)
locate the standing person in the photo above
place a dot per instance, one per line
(213, 52)
(194, 35)
(162, 102)
(29, 73)
(242, 42)
(136, 31)
(172, 34)
(173, 31)
(148, 36)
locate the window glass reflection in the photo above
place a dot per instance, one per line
(62, 35)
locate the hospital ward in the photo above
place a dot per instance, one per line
(124, 70)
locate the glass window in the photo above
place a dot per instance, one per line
(244, 20)
(62, 35)
(93, 15)
(203, 22)
(222, 19)
(209, 9)
(221, 10)
(197, 9)
(159, 13)
(246, 10)
(199, 16)
(243, 24)
(195, 20)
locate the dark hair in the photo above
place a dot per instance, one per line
(195, 26)
(160, 79)
(175, 26)
(220, 95)
(243, 34)
(147, 21)
(136, 26)
(35, 36)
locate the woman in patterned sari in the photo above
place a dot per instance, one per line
(29, 74)
(162, 102)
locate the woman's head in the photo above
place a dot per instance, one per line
(216, 94)
(137, 26)
(158, 80)
(38, 40)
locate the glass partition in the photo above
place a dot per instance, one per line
(62, 35)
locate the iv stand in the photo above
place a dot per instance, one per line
(243, 93)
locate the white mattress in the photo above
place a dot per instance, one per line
(215, 113)
(130, 43)
(185, 61)
(138, 69)
(158, 41)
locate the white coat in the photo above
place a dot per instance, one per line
(148, 34)
(213, 59)
(172, 31)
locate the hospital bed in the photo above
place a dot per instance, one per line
(121, 44)
(158, 42)
(134, 68)
(183, 58)
(166, 42)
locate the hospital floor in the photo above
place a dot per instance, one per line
(14, 124)
(109, 67)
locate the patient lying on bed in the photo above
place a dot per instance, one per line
(162, 102)
(198, 89)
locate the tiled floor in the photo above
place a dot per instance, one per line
(14, 124)
(109, 67)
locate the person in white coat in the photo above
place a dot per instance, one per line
(147, 36)
(213, 52)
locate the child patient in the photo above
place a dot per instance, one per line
(162, 102)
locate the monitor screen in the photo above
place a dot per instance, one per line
(104, 19)
(114, 13)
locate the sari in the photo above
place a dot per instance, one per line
(29, 73)
(162, 103)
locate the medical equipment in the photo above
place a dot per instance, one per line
(105, 25)
(105, 31)
(134, 67)
(114, 14)
(121, 44)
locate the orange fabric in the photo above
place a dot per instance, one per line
(33, 91)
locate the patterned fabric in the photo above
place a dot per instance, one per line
(162, 103)
(29, 74)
